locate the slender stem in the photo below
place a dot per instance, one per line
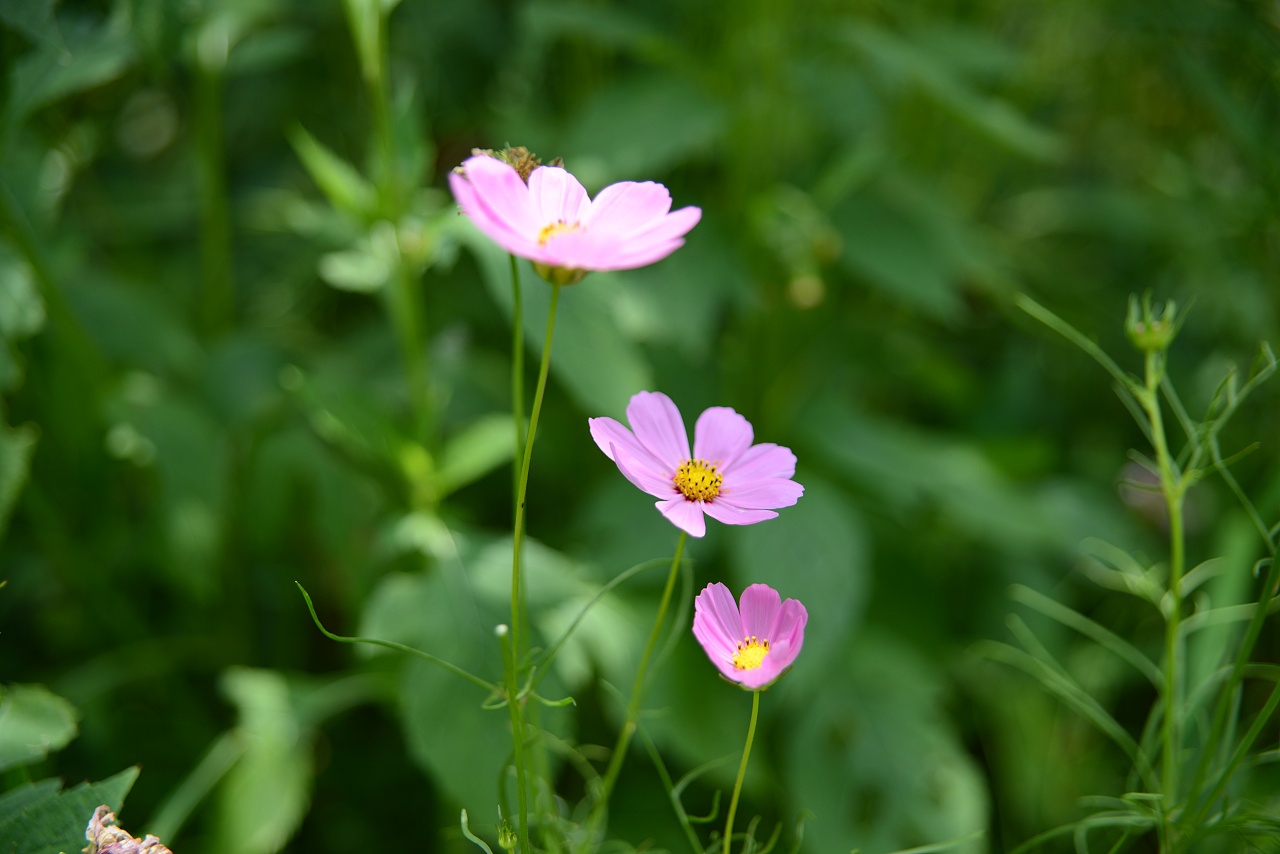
(742, 771)
(522, 485)
(218, 290)
(1172, 486)
(517, 367)
(637, 688)
(517, 734)
(517, 641)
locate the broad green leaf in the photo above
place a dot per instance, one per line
(264, 796)
(41, 818)
(34, 722)
(474, 451)
(874, 757)
(426, 612)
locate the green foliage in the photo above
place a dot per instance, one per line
(247, 341)
(33, 723)
(45, 819)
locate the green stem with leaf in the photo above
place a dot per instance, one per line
(619, 754)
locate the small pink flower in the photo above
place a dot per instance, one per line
(726, 477)
(553, 223)
(755, 646)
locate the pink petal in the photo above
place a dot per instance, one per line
(760, 607)
(760, 463)
(673, 225)
(558, 195)
(628, 207)
(685, 515)
(720, 436)
(657, 424)
(609, 434)
(498, 202)
(716, 623)
(790, 625)
(723, 511)
(764, 495)
(641, 474)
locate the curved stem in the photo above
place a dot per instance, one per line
(742, 771)
(619, 754)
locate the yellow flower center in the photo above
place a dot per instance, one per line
(557, 227)
(698, 480)
(751, 653)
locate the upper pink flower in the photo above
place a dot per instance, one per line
(754, 646)
(553, 223)
(726, 477)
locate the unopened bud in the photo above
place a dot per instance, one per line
(1151, 329)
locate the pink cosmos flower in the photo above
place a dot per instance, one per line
(726, 477)
(756, 645)
(553, 223)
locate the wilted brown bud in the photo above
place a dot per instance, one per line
(106, 837)
(518, 157)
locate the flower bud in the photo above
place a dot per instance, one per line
(1151, 329)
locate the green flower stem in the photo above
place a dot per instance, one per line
(517, 367)
(516, 641)
(742, 771)
(1173, 487)
(517, 735)
(522, 484)
(637, 688)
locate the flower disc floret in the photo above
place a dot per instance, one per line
(552, 222)
(751, 645)
(723, 475)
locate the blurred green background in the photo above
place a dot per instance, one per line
(245, 339)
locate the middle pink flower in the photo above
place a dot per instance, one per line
(725, 477)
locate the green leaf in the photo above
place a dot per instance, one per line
(474, 451)
(880, 728)
(264, 796)
(34, 722)
(33, 18)
(359, 270)
(16, 449)
(83, 57)
(40, 818)
(341, 183)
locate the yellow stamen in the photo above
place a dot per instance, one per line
(698, 480)
(751, 653)
(557, 227)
